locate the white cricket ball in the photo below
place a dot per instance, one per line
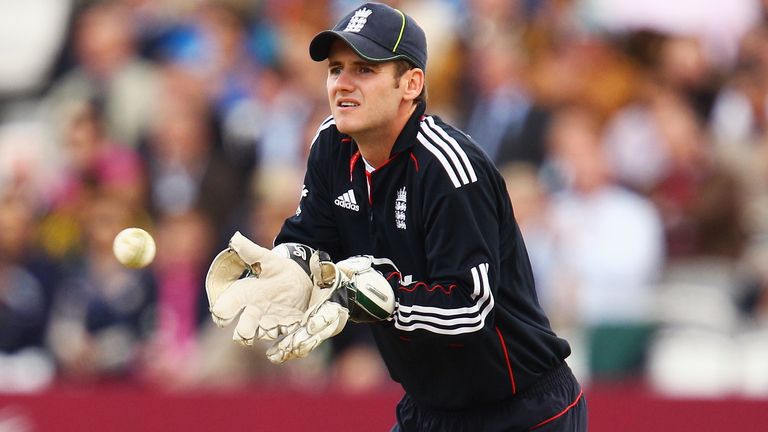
(134, 247)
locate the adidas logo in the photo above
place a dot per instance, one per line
(347, 201)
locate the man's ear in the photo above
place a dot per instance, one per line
(414, 83)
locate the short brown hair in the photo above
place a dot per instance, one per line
(403, 66)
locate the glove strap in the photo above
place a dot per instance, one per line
(359, 288)
(297, 252)
(369, 293)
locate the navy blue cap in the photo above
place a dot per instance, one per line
(377, 33)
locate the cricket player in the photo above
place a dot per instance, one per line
(405, 224)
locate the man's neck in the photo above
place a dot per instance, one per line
(376, 146)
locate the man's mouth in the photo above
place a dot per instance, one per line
(347, 104)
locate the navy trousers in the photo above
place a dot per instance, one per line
(555, 403)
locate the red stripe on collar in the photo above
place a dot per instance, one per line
(352, 162)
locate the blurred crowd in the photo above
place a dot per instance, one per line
(633, 136)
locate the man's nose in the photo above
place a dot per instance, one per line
(343, 82)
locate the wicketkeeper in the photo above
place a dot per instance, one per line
(404, 224)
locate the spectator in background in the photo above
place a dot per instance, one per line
(186, 172)
(670, 70)
(286, 113)
(657, 145)
(740, 127)
(108, 68)
(740, 132)
(288, 94)
(699, 199)
(530, 203)
(25, 295)
(504, 119)
(276, 193)
(444, 23)
(28, 170)
(210, 44)
(569, 65)
(740, 117)
(684, 67)
(485, 18)
(609, 250)
(102, 311)
(91, 160)
(718, 26)
(184, 242)
(30, 161)
(94, 157)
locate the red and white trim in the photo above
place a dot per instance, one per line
(451, 321)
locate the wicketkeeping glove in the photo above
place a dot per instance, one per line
(271, 288)
(350, 289)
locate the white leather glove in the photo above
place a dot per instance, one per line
(269, 287)
(350, 289)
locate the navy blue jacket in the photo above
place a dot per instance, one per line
(468, 330)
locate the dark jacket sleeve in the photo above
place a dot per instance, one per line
(313, 223)
(462, 238)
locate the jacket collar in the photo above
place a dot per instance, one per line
(407, 137)
(404, 141)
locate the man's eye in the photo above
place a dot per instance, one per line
(365, 69)
(334, 70)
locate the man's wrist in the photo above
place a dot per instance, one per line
(297, 252)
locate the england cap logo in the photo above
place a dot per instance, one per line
(377, 33)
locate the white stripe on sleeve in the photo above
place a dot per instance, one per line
(448, 151)
(456, 147)
(454, 320)
(323, 126)
(448, 168)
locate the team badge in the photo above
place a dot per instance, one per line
(357, 22)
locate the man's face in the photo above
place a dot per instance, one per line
(362, 95)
